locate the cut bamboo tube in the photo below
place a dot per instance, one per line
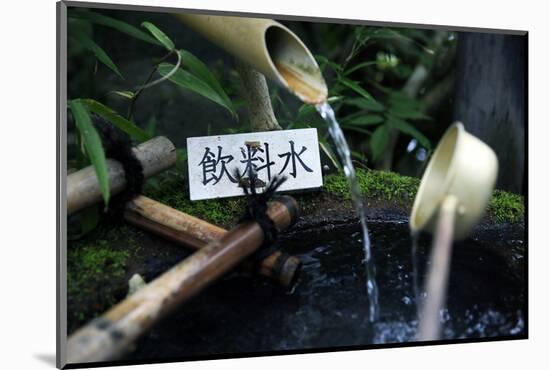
(269, 47)
(109, 336)
(155, 155)
(195, 233)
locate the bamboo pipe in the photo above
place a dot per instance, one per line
(155, 155)
(108, 337)
(438, 274)
(193, 232)
(269, 47)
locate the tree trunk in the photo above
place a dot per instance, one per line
(491, 99)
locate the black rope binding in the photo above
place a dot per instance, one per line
(118, 146)
(256, 209)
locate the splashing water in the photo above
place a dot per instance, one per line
(326, 112)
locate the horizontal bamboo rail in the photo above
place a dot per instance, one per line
(195, 233)
(155, 156)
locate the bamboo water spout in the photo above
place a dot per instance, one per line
(269, 47)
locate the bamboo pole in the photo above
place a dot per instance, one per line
(195, 233)
(258, 101)
(438, 274)
(108, 337)
(155, 155)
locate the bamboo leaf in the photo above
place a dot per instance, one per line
(99, 53)
(159, 35)
(358, 67)
(364, 120)
(151, 126)
(356, 87)
(405, 107)
(409, 129)
(325, 147)
(93, 145)
(201, 71)
(189, 81)
(115, 24)
(124, 93)
(122, 123)
(379, 140)
(408, 113)
(325, 61)
(357, 129)
(305, 111)
(366, 104)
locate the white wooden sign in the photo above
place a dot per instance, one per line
(212, 162)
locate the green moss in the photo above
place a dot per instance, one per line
(96, 271)
(506, 207)
(379, 185)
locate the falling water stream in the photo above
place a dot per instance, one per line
(327, 113)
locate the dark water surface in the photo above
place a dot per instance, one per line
(328, 305)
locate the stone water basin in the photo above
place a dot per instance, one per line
(327, 307)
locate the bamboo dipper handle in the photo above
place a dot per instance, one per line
(107, 337)
(193, 232)
(438, 274)
(155, 155)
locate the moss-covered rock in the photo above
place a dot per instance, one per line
(379, 185)
(506, 207)
(96, 269)
(382, 187)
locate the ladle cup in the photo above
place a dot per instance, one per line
(453, 195)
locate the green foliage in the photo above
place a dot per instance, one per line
(201, 71)
(117, 120)
(85, 41)
(407, 128)
(151, 127)
(92, 144)
(379, 140)
(159, 35)
(393, 114)
(197, 77)
(368, 93)
(112, 23)
(193, 75)
(193, 83)
(125, 94)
